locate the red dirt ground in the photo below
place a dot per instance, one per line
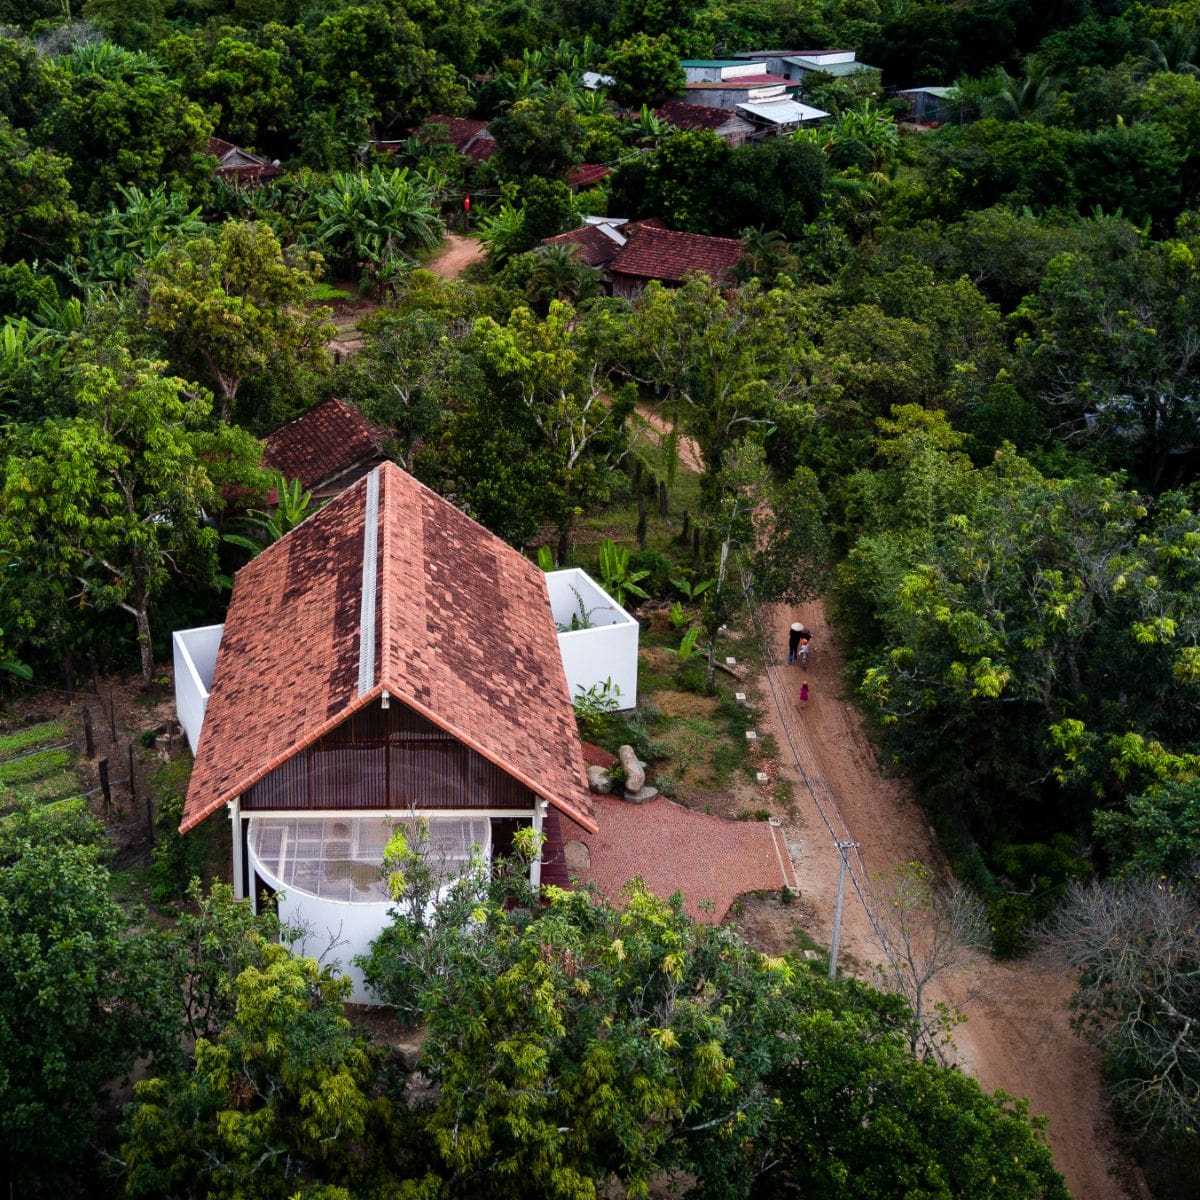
(455, 256)
(1017, 1035)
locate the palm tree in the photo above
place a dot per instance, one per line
(560, 274)
(764, 255)
(1026, 99)
(1175, 51)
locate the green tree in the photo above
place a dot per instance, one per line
(646, 70)
(542, 136)
(38, 218)
(232, 305)
(1156, 833)
(113, 500)
(121, 123)
(278, 1103)
(83, 997)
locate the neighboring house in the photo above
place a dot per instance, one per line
(797, 65)
(586, 175)
(469, 137)
(239, 166)
(387, 659)
(595, 244)
(730, 127)
(749, 91)
(931, 105)
(651, 252)
(327, 448)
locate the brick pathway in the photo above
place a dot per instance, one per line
(675, 849)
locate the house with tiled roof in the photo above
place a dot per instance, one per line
(469, 137)
(586, 175)
(388, 659)
(652, 252)
(327, 448)
(239, 166)
(732, 128)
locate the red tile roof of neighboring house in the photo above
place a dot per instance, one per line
(683, 115)
(654, 253)
(467, 136)
(593, 247)
(463, 634)
(675, 849)
(328, 440)
(235, 163)
(742, 81)
(586, 174)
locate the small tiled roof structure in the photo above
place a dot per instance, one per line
(683, 115)
(241, 166)
(467, 136)
(325, 446)
(656, 253)
(591, 245)
(458, 627)
(586, 174)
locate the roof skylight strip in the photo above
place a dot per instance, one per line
(366, 619)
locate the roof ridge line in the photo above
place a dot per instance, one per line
(366, 610)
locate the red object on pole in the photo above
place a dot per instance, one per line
(467, 203)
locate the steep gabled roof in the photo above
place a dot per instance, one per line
(591, 245)
(654, 253)
(467, 136)
(235, 163)
(327, 440)
(585, 174)
(458, 627)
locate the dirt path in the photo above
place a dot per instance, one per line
(1016, 1036)
(455, 256)
(689, 453)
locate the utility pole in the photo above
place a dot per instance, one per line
(844, 849)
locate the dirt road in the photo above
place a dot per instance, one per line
(455, 256)
(1016, 1036)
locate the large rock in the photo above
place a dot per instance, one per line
(577, 856)
(641, 795)
(635, 773)
(599, 780)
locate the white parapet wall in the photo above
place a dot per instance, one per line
(195, 661)
(606, 645)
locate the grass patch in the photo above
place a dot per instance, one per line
(33, 766)
(33, 735)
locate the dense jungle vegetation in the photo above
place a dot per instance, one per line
(959, 364)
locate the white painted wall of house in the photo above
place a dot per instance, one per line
(195, 653)
(608, 650)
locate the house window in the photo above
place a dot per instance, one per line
(341, 858)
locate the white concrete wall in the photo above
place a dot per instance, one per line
(608, 650)
(744, 69)
(831, 57)
(195, 652)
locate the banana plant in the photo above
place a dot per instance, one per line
(292, 505)
(619, 581)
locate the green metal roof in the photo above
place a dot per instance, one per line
(712, 62)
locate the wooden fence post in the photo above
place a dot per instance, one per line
(112, 713)
(89, 740)
(104, 786)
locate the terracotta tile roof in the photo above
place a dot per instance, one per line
(463, 634)
(328, 440)
(593, 247)
(654, 253)
(586, 174)
(742, 81)
(467, 136)
(683, 115)
(675, 849)
(241, 165)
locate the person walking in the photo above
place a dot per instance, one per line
(804, 694)
(794, 636)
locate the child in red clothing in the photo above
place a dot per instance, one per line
(804, 693)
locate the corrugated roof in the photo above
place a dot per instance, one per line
(656, 253)
(465, 636)
(326, 441)
(711, 62)
(782, 112)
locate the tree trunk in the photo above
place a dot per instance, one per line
(142, 617)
